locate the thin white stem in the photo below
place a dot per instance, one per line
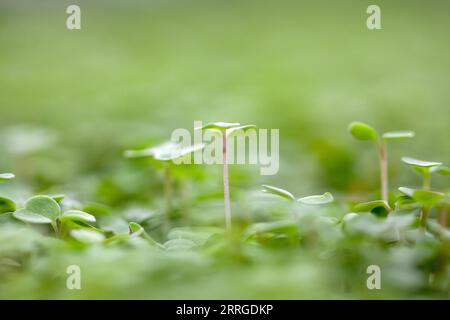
(226, 186)
(382, 153)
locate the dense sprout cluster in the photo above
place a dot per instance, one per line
(272, 245)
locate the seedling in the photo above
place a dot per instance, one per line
(426, 198)
(166, 153)
(325, 198)
(226, 130)
(45, 210)
(315, 200)
(426, 168)
(362, 131)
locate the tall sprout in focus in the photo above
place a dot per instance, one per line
(226, 129)
(362, 131)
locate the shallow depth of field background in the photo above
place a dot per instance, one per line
(72, 101)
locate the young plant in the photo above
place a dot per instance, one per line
(45, 210)
(314, 200)
(362, 131)
(426, 168)
(426, 198)
(325, 198)
(226, 130)
(165, 153)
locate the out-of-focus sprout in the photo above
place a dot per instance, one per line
(362, 131)
(166, 153)
(45, 210)
(226, 130)
(426, 198)
(426, 168)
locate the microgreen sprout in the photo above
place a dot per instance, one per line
(166, 153)
(426, 168)
(426, 198)
(362, 131)
(45, 210)
(226, 130)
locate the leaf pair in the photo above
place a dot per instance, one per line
(363, 131)
(227, 128)
(422, 166)
(45, 210)
(325, 198)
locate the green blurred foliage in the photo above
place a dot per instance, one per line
(72, 101)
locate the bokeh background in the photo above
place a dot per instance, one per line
(72, 101)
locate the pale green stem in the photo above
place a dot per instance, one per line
(55, 228)
(424, 216)
(383, 158)
(425, 209)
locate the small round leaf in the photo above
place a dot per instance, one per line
(317, 200)
(362, 131)
(31, 217)
(420, 163)
(44, 206)
(278, 191)
(76, 215)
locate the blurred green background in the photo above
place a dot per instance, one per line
(72, 101)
